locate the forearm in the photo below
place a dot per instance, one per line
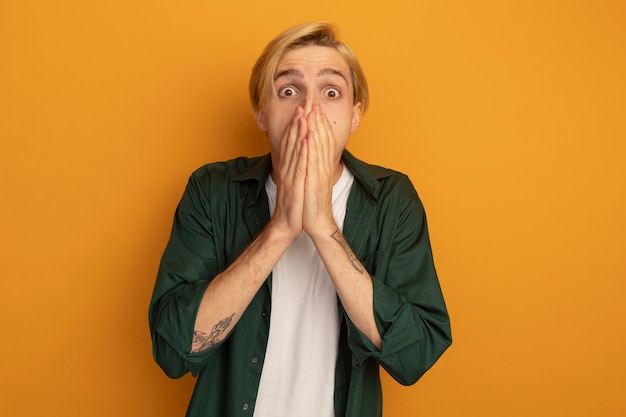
(352, 283)
(229, 293)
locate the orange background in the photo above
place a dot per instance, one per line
(509, 116)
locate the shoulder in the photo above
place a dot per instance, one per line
(377, 180)
(234, 178)
(232, 168)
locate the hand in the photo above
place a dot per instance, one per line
(321, 172)
(290, 175)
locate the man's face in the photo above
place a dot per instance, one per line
(306, 76)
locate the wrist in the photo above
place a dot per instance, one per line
(323, 230)
(280, 232)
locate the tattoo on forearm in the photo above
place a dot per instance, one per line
(338, 237)
(202, 341)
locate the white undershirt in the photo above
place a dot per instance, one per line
(298, 377)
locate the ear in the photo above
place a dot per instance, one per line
(260, 120)
(356, 116)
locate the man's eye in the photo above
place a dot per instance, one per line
(332, 93)
(287, 92)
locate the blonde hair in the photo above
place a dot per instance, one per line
(261, 84)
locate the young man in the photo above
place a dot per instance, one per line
(289, 278)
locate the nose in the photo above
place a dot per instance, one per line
(308, 100)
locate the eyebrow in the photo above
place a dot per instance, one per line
(297, 73)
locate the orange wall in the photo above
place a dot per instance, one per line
(509, 116)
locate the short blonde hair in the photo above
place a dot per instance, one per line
(261, 84)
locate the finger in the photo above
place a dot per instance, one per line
(314, 130)
(290, 143)
(330, 138)
(300, 135)
(291, 131)
(302, 164)
(323, 140)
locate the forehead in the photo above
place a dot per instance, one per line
(313, 58)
